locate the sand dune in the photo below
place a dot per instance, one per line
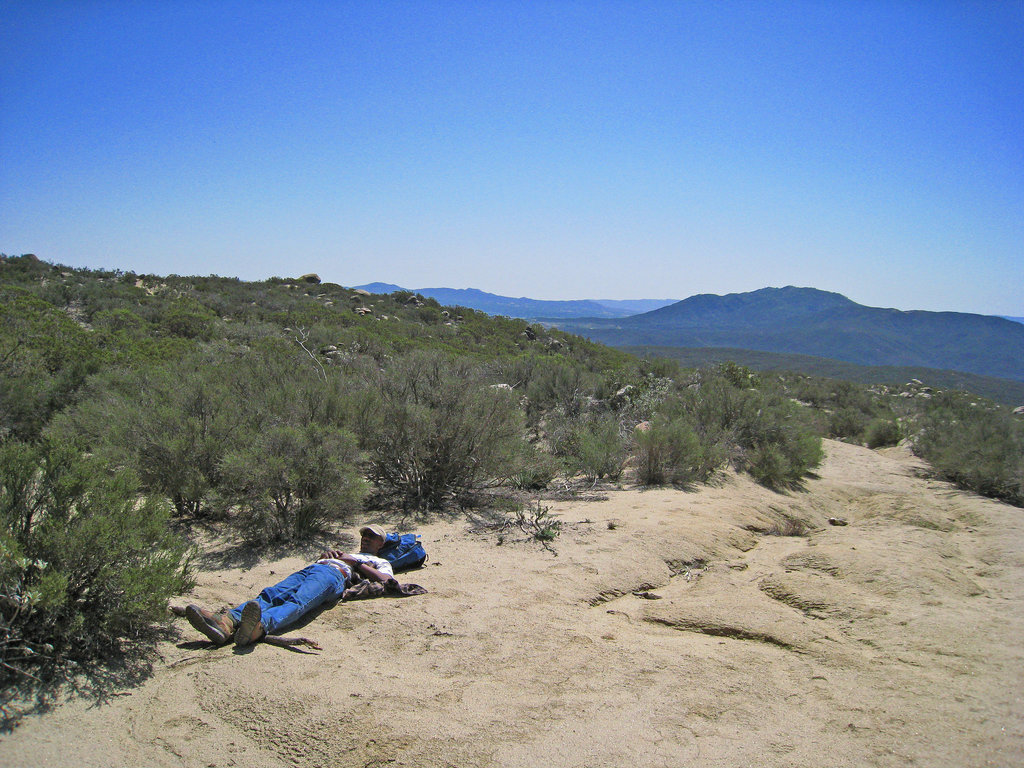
(665, 629)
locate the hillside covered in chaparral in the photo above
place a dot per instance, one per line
(631, 560)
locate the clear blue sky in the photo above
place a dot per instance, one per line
(550, 149)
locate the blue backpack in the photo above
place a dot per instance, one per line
(403, 551)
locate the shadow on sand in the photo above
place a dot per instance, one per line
(99, 681)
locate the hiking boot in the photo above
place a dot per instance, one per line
(250, 628)
(218, 627)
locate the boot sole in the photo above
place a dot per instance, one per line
(195, 618)
(250, 629)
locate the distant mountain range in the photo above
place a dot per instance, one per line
(807, 321)
(784, 321)
(528, 309)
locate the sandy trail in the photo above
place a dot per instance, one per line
(896, 640)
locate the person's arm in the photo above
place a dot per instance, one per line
(365, 570)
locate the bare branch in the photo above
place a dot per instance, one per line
(301, 337)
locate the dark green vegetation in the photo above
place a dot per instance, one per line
(968, 440)
(811, 322)
(87, 561)
(134, 404)
(1005, 391)
(974, 446)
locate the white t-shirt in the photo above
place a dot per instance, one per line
(373, 561)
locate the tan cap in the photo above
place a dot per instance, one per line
(373, 530)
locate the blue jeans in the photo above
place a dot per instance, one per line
(288, 601)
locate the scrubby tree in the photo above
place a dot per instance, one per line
(87, 564)
(292, 480)
(667, 451)
(443, 432)
(171, 424)
(597, 448)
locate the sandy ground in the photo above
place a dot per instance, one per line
(896, 640)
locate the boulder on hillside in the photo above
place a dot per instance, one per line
(312, 278)
(622, 397)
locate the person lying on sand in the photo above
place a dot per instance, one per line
(289, 600)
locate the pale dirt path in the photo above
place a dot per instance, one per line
(893, 641)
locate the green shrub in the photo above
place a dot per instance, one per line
(597, 448)
(670, 451)
(558, 386)
(723, 413)
(848, 423)
(118, 320)
(45, 357)
(179, 434)
(290, 481)
(86, 563)
(739, 376)
(767, 465)
(784, 463)
(171, 424)
(189, 319)
(442, 432)
(778, 451)
(976, 447)
(640, 400)
(881, 433)
(762, 433)
(538, 521)
(533, 469)
(429, 315)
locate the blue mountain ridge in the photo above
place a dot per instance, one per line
(809, 321)
(788, 320)
(526, 308)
